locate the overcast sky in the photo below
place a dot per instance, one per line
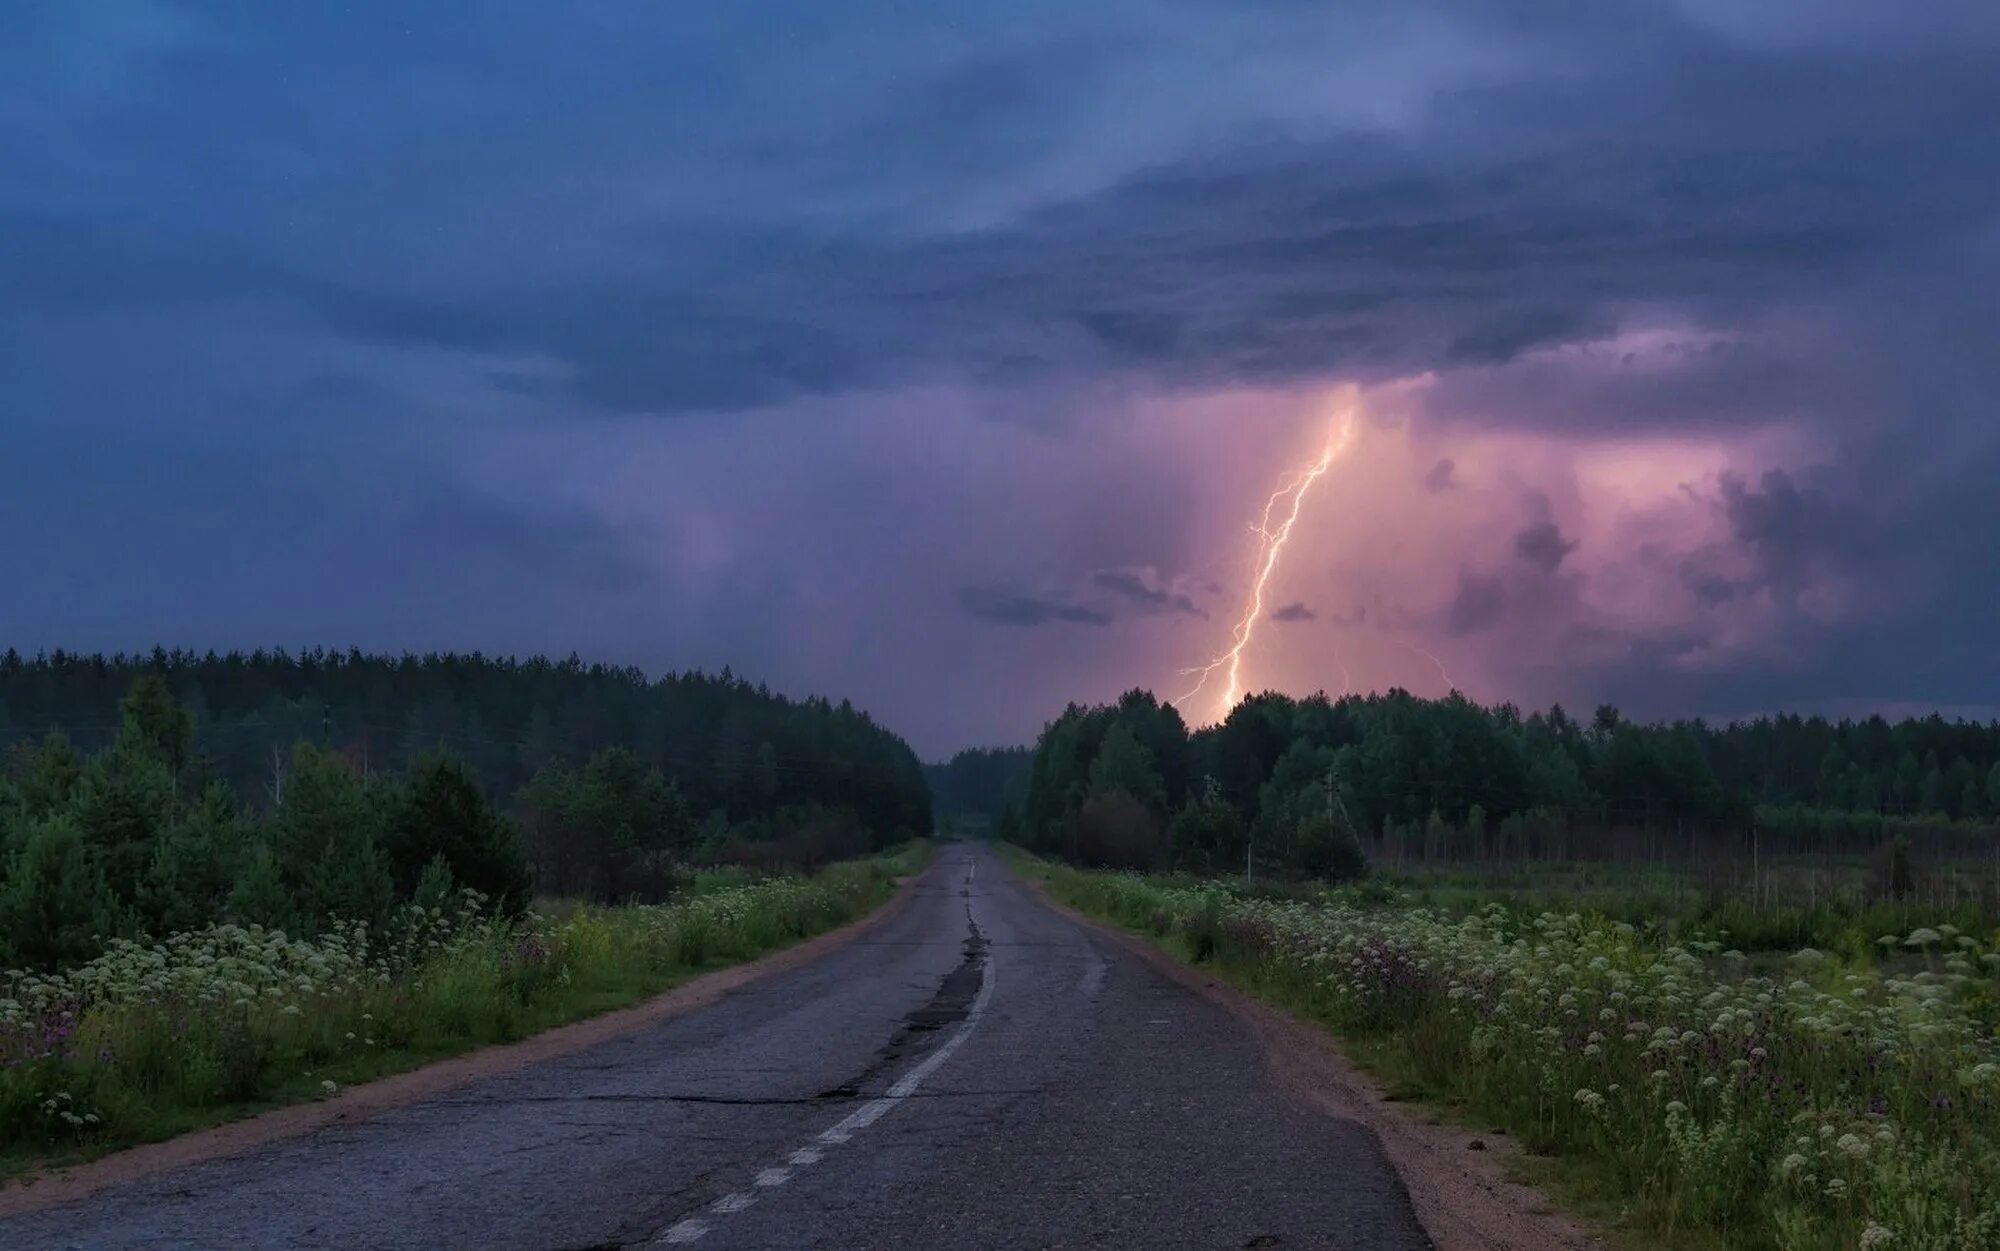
(941, 356)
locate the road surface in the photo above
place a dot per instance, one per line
(977, 1072)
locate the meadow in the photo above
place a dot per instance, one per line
(153, 1038)
(1828, 1079)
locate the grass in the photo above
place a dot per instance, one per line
(1814, 902)
(1681, 1090)
(151, 1040)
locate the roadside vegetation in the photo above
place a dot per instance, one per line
(147, 834)
(1738, 986)
(1838, 1096)
(1310, 787)
(733, 752)
(175, 950)
(152, 1038)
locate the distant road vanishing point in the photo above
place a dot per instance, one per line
(978, 1071)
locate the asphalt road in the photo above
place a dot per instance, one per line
(978, 1072)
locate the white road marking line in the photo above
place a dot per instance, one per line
(868, 1113)
(862, 1117)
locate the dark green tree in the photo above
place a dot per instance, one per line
(441, 814)
(154, 724)
(55, 908)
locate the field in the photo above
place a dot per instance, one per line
(152, 1039)
(1776, 1072)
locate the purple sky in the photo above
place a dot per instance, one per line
(942, 356)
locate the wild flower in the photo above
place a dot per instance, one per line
(241, 1011)
(1684, 1061)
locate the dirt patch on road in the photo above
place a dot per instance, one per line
(358, 1103)
(1456, 1178)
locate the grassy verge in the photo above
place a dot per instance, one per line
(152, 1040)
(1827, 1105)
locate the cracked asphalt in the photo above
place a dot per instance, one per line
(1081, 1100)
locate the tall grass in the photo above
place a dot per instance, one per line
(153, 1038)
(1830, 1103)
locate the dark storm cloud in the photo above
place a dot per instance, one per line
(1543, 546)
(1294, 612)
(301, 272)
(1785, 537)
(1478, 606)
(1136, 588)
(1499, 340)
(1227, 270)
(1733, 174)
(1778, 519)
(542, 544)
(1006, 606)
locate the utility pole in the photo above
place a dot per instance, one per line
(1333, 800)
(277, 776)
(1335, 803)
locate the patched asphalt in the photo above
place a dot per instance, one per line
(1085, 1101)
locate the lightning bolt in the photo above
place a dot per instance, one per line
(1346, 676)
(1289, 498)
(1449, 687)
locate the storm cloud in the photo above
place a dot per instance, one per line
(1543, 546)
(1016, 608)
(820, 341)
(1139, 589)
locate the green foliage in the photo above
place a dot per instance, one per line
(192, 865)
(54, 904)
(1099, 793)
(727, 744)
(123, 802)
(442, 817)
(149, 1038)
(979, 781)
(258, 895)
(328, 833)
(1124, 767)
(435, 886)
(1206, 835)
(354, 808)
(1452, 780)
(1809, 1102)
(1146, 762)
(48, 775)
(610, 830)
(153, 724)
(132, 841)
(631, 804)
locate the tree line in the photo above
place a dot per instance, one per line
(164, 792)
(1305, 783)
(978, 781)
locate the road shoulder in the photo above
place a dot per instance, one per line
(36, 1191)
(1456, 1178)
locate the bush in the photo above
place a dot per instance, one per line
(1116, 831)
(149, 1036)
(1798, 1108)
